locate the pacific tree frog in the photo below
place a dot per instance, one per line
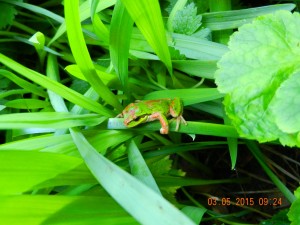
(150, 110)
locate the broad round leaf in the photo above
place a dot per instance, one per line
(258, 76)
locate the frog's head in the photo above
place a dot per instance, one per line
(134, 115)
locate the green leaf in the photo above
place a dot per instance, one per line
(85, 12)
(7, 14)
(47, 120)
(58, 209)
(294, 212)
(278, 219)
(76, 72)
(196, 48)
(175, 54)
(120, 29)
(177, 7)
(81, 54)
(188, 96)
(259, 75)
(52, 72)
(21, 171)
(191, 127)
(94, 4)
(186, 20)
(35, 9)
(145, 205)
(236, 18)
(139, 168)
(56, 87)
(147, 16)
(63, 144)
(38, 40)
(27, 104)
(100, 29)
(232, 146)
(192, 47)
(45, 48)
(194, 213)
(23, 83)
(286, 104)
(199, 68)
(255, 150)
(162, 168)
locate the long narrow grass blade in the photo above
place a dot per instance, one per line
(94, 4)
(100, 30)
(47, 120)
(232, 145)
(27, 104)
(202, 128)
(23, 83)
(139, 168)
(147, 16)
(75, 71)
(260, 158)
(195, 48)
(36, 9)
(234, 19)
(192, 47)
(81, 54)
(145, 205)
(22, 171)
(58, 209)
(52, 72)
(120, 30)
(63, 144)
(195, 213)
(56, 87)
(85, 12)
(199, 68)
(188, 96)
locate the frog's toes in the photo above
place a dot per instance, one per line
(164, 130)
(179, 120)
(182, 120)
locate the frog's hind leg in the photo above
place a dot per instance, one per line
(163, 121)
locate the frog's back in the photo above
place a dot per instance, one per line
(157, 105)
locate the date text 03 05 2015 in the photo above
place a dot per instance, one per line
(244, 201)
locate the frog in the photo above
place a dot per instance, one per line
(149, 110)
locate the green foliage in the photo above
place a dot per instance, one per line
(149, 20)
(39, 170)
(62, 209)
(260, 76)
(81, 54)
(294, 213)
(62, 150)
(114, 179)
(7, 14)
(122, 25)
(186, 20)
(175, 54)
(278, 219)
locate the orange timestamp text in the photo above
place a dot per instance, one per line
(243, 201)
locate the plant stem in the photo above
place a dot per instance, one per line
(252, 146)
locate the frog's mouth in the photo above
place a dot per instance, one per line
(137, 121)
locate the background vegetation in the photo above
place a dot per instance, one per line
(69, 68)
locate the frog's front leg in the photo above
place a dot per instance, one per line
(180, 119)
(163, 121)
(176, 110)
